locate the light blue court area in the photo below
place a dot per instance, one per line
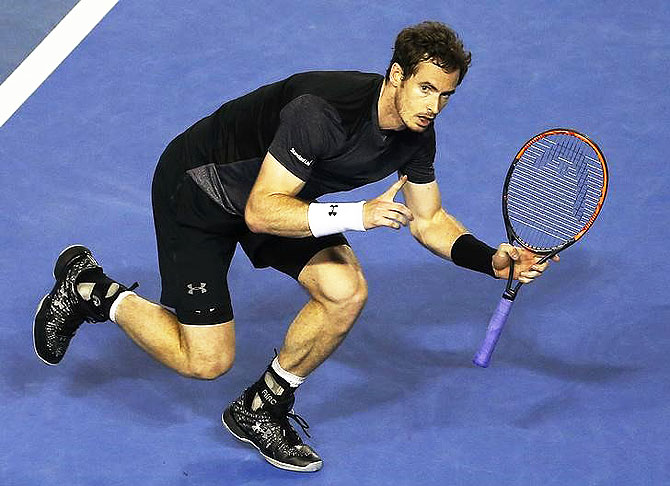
(23, 25)
(578, 390)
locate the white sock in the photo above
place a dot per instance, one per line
(115, 304)
(294, 380)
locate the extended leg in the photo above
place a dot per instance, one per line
(83, 292)
(204, 352)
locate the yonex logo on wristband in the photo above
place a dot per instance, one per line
(332, 211)
(191, 288)
(300, 157)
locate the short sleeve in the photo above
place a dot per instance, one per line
(420, 168)
(309, 130)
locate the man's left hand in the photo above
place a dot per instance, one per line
(526, 268)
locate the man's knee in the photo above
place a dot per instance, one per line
(344, 289)
(207, 351)
(210, 368)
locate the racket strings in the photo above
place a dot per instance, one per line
(553, 191)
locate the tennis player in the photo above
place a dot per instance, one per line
(251, 173)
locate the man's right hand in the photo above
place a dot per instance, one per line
(384, 211)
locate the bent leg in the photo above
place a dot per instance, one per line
(338, 291)
(197, 351)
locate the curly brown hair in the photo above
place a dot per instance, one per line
(430, 41)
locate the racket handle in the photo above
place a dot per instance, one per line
(496, 325)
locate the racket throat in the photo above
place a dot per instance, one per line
(511, 290)
(510, 294)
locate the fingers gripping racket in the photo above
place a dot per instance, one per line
(553, 193)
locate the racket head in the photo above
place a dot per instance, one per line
(554, 190)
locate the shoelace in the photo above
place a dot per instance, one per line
(282, 417)
(300, 421)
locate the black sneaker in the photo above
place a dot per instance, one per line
(62, 311)
(269, 431)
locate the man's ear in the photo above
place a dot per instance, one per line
(397, 76)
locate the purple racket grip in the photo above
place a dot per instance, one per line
(496, 325)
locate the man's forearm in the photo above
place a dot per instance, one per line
(439, 233)
(278, 214)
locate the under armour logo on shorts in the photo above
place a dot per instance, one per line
(192, 288)
(332, 211)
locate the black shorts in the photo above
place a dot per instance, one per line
(197, 239)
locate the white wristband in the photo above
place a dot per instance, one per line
(330, 218)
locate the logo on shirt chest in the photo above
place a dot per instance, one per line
(302, 159)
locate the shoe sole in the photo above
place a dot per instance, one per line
(229, 423)
(63, 260)
(39, 307)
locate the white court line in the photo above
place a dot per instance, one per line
(48, 55)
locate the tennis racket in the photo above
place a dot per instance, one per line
(553, 192)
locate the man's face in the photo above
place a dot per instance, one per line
(421, 97)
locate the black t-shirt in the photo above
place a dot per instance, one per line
(321, 126)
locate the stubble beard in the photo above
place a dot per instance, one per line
(407, 124)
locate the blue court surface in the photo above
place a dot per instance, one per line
(578, 390)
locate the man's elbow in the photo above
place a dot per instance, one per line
(415, 227)
(423, 228)
(253, 217)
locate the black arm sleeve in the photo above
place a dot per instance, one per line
(420, 169)
(309, 130)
